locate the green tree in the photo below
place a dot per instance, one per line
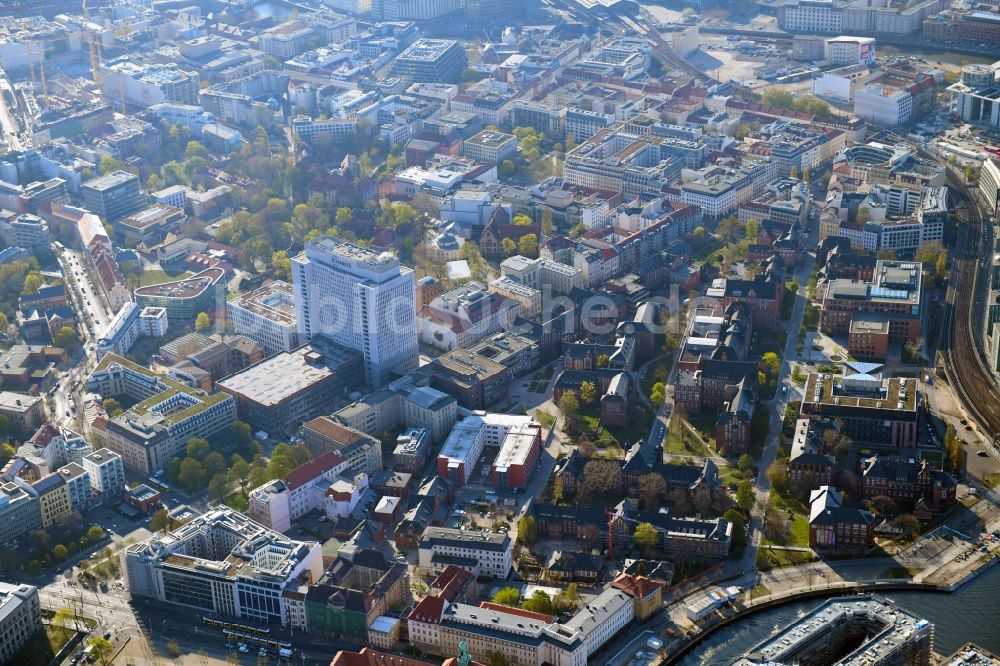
(497, 659)
(602, 479)
(646, 538)
(772, 364)
(603, 360)
(4, 324)
(658, 394)
(239, 472)
(745, 462)
(59, 552)
(198, 448)
(62, 619)
(940, 266)
(202, 323)
(108, 164)
(738, 521)
(527, 530)
(506, 169)
(745, 496)
(587, 393)
(101, 648)
(753, 226)
(522, 220)
(95, 533)
(539, 602)
(547, 221)
(282, 265)
(160, 521)
(652, 490)
(569, 405)
(173, 469)
(154, 182)
(509, 246)
(343, 217)
(112, 407)
(887, 254)
(196, 149)
(214, 463)
(218, 487)
(32, 283)
(528, 245)
(508, 596)
(192, 476)
(65, 337)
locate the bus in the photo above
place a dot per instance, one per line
(159, 484)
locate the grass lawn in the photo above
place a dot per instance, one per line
(658, 372)
(688, 447)
(639, 423)
(157, 276)
(704, 423)
(775, 559)
(798, 535)
(707, 251)
(729, 476)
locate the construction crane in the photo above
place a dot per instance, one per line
(93, 46)
(41, 63)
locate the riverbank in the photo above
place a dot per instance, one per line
(679, 647)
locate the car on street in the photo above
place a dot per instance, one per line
(243, 648)
(982, 454)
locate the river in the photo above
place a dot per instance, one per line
(279, 10)
(971, 614)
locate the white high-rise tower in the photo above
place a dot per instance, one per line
(361, 299)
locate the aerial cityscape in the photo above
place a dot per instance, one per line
(499, 332)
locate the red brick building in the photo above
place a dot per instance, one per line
(837, 527)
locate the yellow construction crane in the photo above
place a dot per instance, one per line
(93, 46)
(41, 63)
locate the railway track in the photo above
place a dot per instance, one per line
(964, 364)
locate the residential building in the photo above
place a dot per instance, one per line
(413, 449)
(78, 484)
(20, 512)
(166, 413)
(485, 554)
(362, 452)
(26, 412)
(490, 146)
(106, 472)
(832, 525)
(883, 105)
(113, 196)
(360, 299)
(53, 499)
(276, 503)
(20, 619)
(26, 231)
(286, 40)
(287, 389)
(222, 563)
(267, 316)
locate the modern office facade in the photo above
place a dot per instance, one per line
(113, 196)
(224, 563)
(361, 299)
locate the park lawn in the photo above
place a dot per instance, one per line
(707, 251)
(775, 559)
(639, 423)
(704, 423)
(156, 276)
(730, 476)
(689, 447)
(798, 535)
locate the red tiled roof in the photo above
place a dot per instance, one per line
(531, 615)
(429, 609)
(303, 474)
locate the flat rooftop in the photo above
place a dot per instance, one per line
(273, 301)
(186, 288)
(286, 374)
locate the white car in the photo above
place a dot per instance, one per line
(243, 647)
